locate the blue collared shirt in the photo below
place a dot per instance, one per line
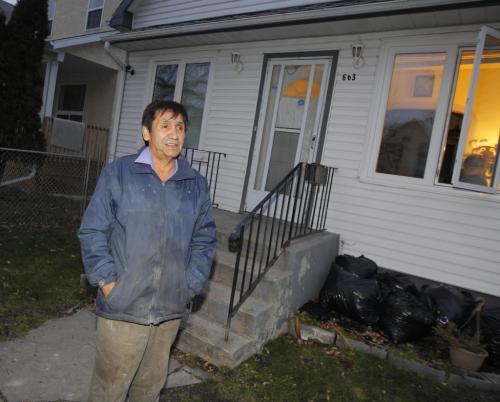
(146, 158)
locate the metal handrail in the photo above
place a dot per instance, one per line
(260, 238)
(207, 163)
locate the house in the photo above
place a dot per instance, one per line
(392, 93)
(82, 76)
(6, 9)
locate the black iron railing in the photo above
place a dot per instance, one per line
(296, 207)
(207, 163)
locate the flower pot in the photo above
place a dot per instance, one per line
(467, 360)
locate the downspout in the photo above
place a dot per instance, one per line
(117, 100)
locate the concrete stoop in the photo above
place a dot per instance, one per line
(295, 278)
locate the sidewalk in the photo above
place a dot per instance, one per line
(54, 362)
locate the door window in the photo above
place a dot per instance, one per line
(291, 119)
(165, 80)
(194, 90)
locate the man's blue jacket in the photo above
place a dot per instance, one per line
(156, 240)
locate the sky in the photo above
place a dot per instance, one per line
(11, 1)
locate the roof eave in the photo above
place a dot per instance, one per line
(304, 16)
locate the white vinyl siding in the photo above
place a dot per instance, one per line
(156, 12)
(444, 234)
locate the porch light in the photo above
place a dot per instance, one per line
(358, 60)
(236, 61)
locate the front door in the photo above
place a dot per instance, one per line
(289, 121)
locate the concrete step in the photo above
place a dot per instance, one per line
(251, 318)
(263, 243)
(205, 338)
(270, 285)
(265, 314)
(225, 265)
(262, 252)
(226, 223)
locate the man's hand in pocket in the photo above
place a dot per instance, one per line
(106, 289)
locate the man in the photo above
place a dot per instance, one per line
(148, 240)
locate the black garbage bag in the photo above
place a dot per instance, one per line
(336, 274)
(360, 266)
(490, 330)
(448, 304)
(403, 317)
(391, 282)
(354, 297)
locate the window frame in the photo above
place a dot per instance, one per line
(448, 112)
(456, 183)
(388, 54)
(89, 10)
(70, 113)
(179, 84)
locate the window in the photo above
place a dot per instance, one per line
(94, 14)
(455, 116)
(50, 14)
(71, 101)
(165, 81)
(186, 83)
(477, 165)
(409, 118)
(410, 133)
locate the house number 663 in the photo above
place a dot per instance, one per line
(349, 77)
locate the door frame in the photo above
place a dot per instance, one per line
(327, 105)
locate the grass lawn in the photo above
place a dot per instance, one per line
(39, 276)
(286, 371)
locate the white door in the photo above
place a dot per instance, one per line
(289, 121)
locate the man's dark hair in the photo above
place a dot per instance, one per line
(158, 107)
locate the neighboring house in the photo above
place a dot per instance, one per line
(377, 89)
(81, 75)
(6, 9)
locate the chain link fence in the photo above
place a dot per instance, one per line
(52, 189)
(43, 189)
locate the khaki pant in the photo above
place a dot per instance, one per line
(131, 358)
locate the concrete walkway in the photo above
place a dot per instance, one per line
(54, 362)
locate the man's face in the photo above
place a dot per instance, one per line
(166, 137)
